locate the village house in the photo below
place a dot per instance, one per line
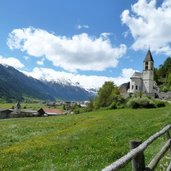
(50, 112)
(4, 113)
(17, 112)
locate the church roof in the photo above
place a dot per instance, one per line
(137, 75)
(125, 85)
(148, 57)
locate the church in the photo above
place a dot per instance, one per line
(144, 81)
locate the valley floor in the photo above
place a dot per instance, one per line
(82, 142)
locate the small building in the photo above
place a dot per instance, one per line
(50, 112)
(4, 113)
(17, 112)
(23, 113)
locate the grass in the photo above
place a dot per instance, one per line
(85, 142)
(31, 106)
(34, 106)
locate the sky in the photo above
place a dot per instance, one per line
(86, 42)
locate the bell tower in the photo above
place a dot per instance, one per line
(148, 73)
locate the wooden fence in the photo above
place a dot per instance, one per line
(136, 155)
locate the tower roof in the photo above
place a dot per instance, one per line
(148, 57)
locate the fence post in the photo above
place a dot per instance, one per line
(168, 138)
(138, 162)
(167, 135)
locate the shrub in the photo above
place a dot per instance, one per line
(159, 103)
(143, 102)
(76, 111)
(120, 106)
(113, 105)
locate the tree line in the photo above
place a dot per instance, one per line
(162, 75)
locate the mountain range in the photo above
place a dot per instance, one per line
(16, 85)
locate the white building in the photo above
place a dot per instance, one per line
(144, 82)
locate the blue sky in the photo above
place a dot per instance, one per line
(88, 41)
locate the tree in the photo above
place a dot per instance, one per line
(162, 75)
(169, 79)
(156, 78)
(168, 82)
(106, 95)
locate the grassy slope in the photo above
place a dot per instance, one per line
(76, 142)
(31, 106)
(34, 106)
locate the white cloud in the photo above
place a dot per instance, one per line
(79, 52)
(150, 25)
(105, 35)
(41, 62)
(83, 26)
(11, 62)
(84, 80)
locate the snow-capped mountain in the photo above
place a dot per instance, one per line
(16, 85)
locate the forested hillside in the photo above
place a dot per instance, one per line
(162, 75)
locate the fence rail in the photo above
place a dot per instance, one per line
(136, 155)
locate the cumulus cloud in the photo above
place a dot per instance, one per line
(11, 62)
(150, 25)
(79, 52)
(84, 80)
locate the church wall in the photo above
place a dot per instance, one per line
(135, 85)
(148, 75)
(148, 81)
(148, 86)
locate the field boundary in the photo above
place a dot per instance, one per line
(136, 155)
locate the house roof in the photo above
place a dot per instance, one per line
(28, 111)
(23, 111)
(148, 57)
(2, 109)
(53, 111)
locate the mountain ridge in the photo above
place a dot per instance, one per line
(16, 85)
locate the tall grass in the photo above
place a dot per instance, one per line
(77, 142)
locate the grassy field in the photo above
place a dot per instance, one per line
(34, 106)
(31, 106)
(85, 142)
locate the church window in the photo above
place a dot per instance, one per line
(146, 65)
(136, 87)
(132, 87)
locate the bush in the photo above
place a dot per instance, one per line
(120, 106)
(159, 103)
(76, 111)
(113, 105)
(143, 102)
(90, 106)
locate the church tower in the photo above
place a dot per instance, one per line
(148, 73)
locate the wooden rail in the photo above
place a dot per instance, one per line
(136, 155)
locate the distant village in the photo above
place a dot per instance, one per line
(18, 112)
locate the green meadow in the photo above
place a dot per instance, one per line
(84, 142)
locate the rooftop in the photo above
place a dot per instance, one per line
(148, 57)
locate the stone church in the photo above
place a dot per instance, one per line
(144, 81)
